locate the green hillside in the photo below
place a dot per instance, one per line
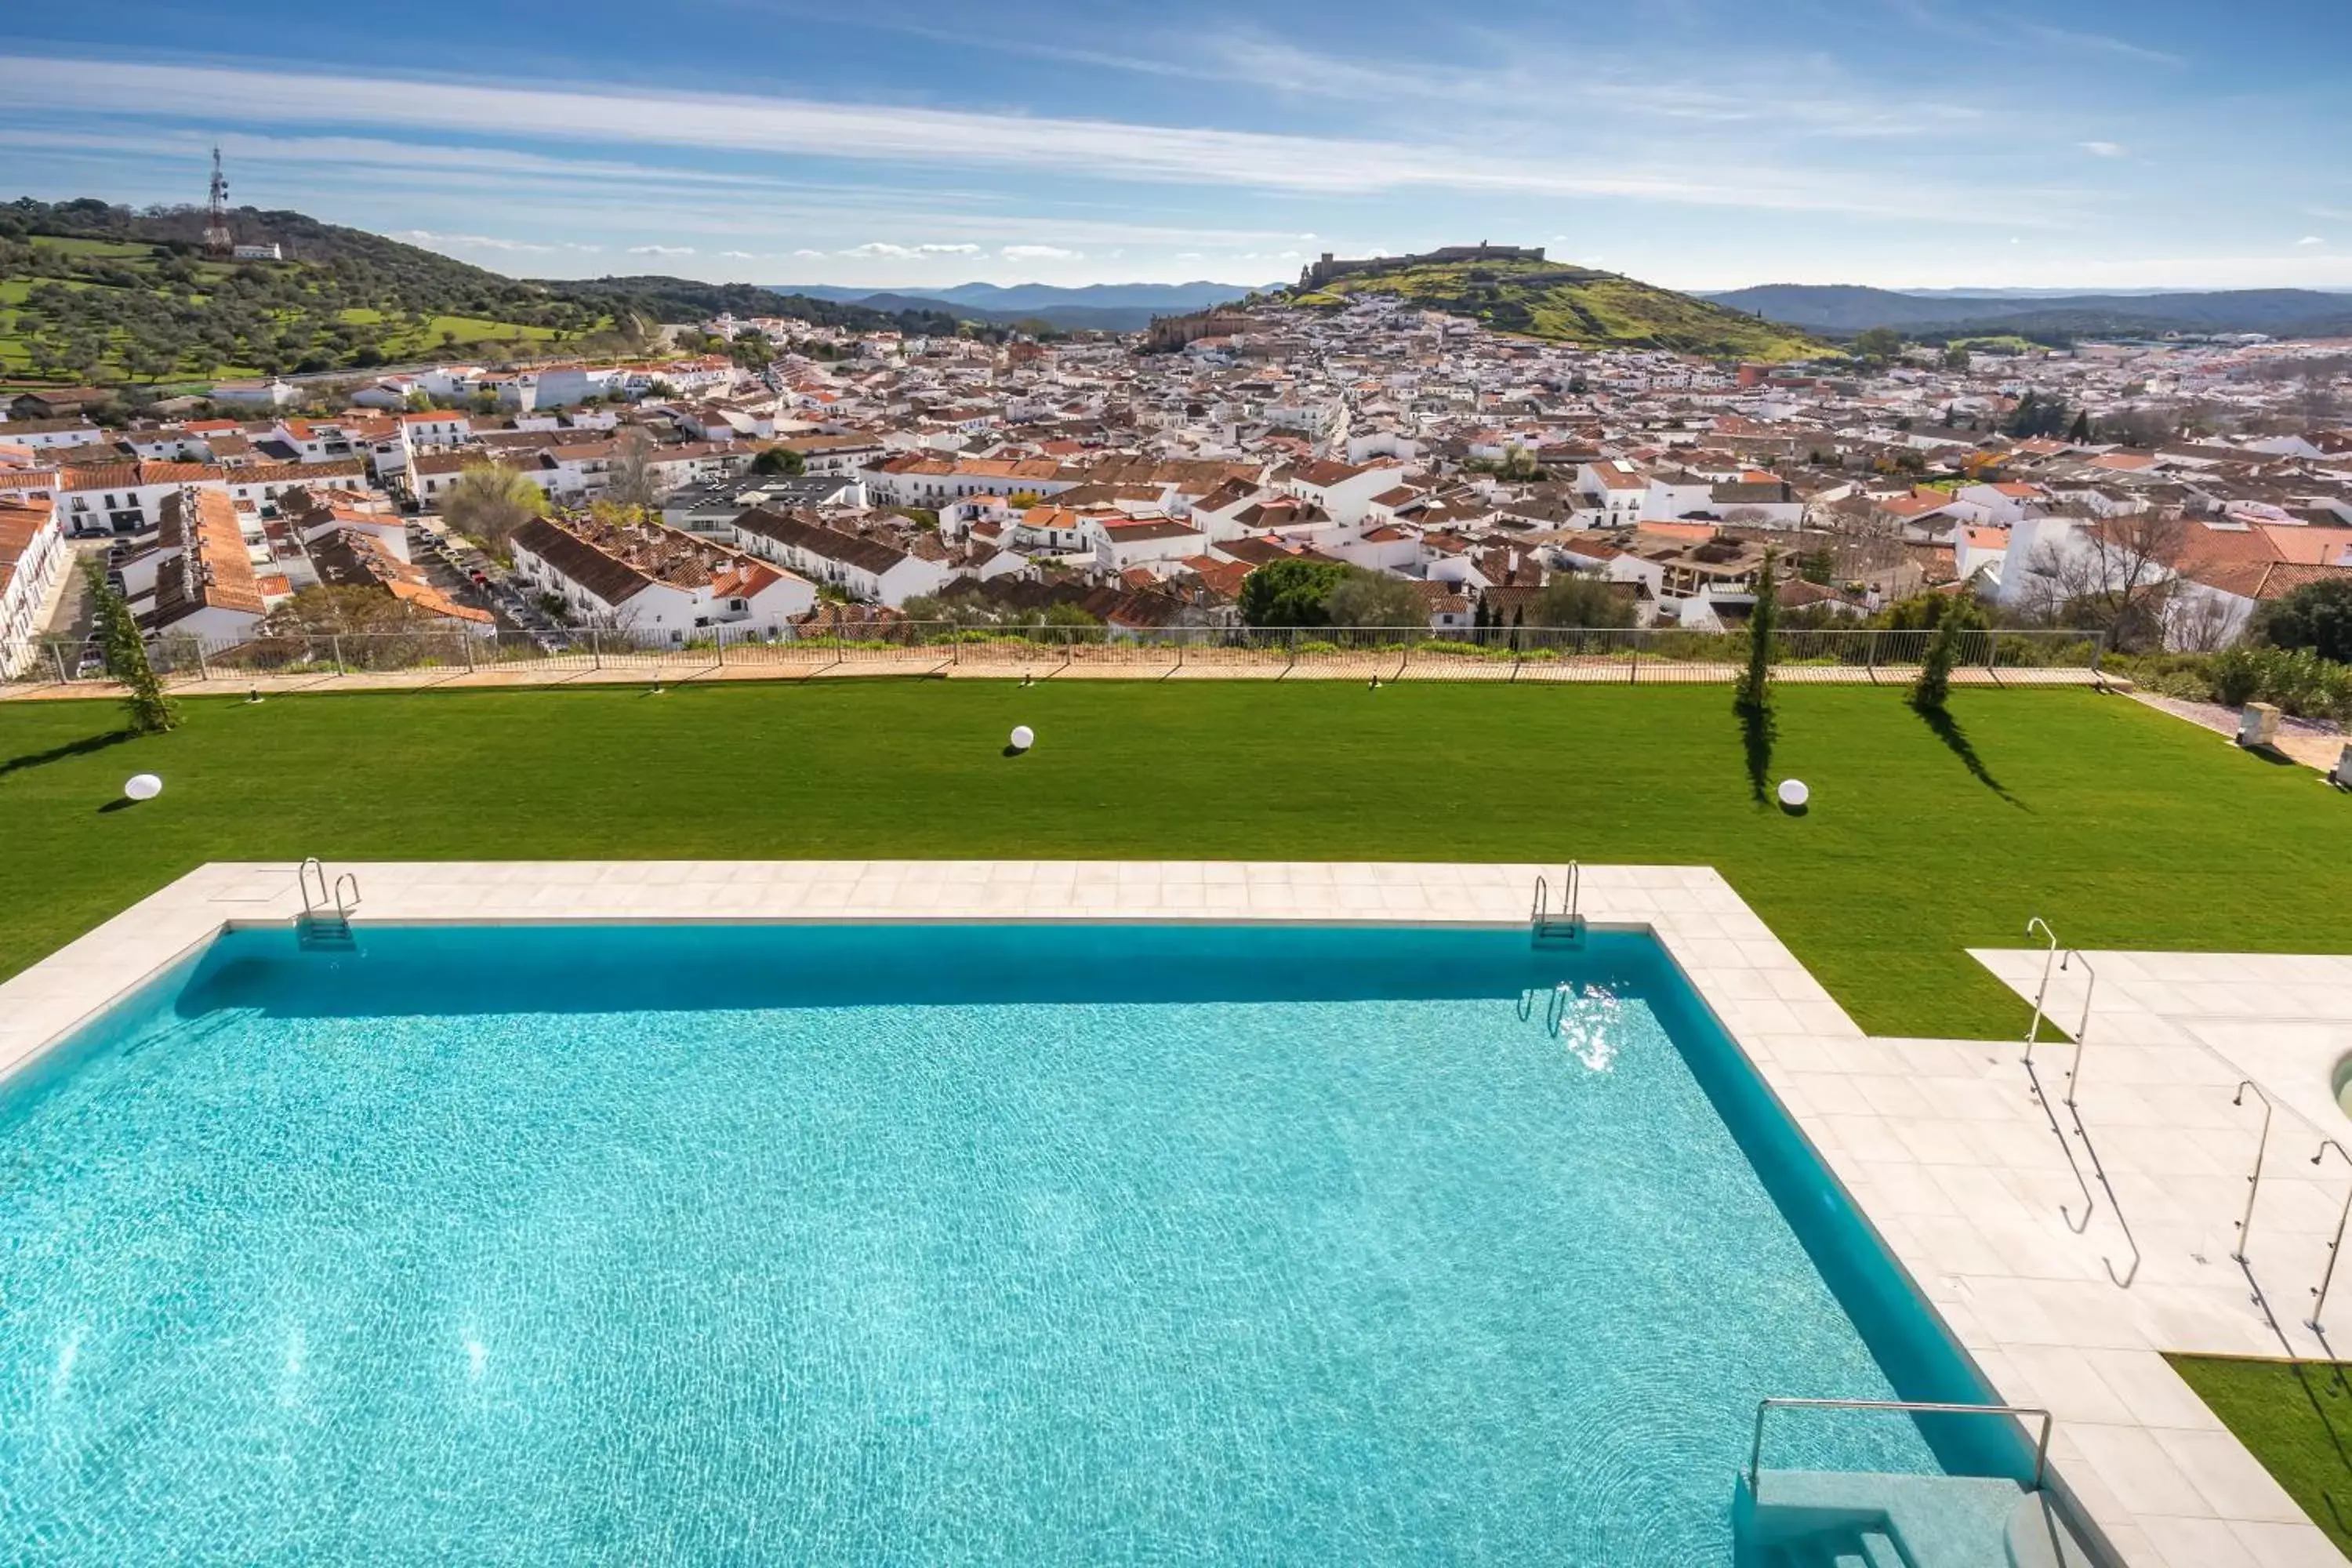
(1579, 305)
(93, 294)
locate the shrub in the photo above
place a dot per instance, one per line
(2316, 616)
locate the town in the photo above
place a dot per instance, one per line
(835, 482)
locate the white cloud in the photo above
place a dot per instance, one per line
(1040, 253)
(739, 255)
(900, 133)
(468, 241)
(2311, 240)
(2103, 149)
(661, 250)
(808, 253)
(883, 248)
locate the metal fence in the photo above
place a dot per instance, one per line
(1512, 654)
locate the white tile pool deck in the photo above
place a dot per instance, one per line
(1938, 1141)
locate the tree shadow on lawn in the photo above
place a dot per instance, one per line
(1956, 740)
(81, 748)
(1758, 731)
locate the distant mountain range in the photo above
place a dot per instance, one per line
(1846, 309)
(1101, 307)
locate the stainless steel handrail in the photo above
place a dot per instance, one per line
(1541, 908)
(2335, 1247)
(2041, 1446)
(1572, 892)
(2254, 1182)
(2033, 1030)
(2083, 1025)
(343, 909)
(302, 880)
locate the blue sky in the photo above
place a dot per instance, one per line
(1696, 143)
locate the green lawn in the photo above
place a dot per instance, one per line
(2296, 1418)
(2122, 827)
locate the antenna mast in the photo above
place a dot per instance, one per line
(218, 241)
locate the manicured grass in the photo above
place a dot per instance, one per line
(2296, 1418)
(2122, 827)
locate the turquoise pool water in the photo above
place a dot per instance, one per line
(920, 1245)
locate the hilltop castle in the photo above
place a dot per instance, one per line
(1325, 269)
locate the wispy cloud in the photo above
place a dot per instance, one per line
(2102, 149)
(2311, 240)
(834, 130)
(661, 250)
(1040, 253)
(468, 241)
(2099, 43)
(876, 248)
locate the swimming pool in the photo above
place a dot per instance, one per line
(923, 1243)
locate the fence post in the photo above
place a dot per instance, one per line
(335, 644)
(721, 643)
(1632, 662)
(1294, 652)
(203, 666)
(596, 648)
(2098, 652)
(57, 657)
(1870, 656)
(466, 641)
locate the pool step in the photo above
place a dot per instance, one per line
(325, 933)
(1839, 1549)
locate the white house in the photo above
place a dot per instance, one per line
(33, 555)
(1122, 542)
(101, 498)
(658, 584)
(1343, 490)
(861, 565)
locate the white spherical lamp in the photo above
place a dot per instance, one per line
(1793, 794)
(1023, 737)
(142, 786)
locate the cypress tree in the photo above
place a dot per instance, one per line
(125, 652)
(1755, 688)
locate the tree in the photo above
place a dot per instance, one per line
(1954, 619)
(2079, 433)
(2035, 415)
(780, 460)
(1361, 598)
(1878, 343)
(1955, 357)
(1755, 685)
(631, 481)
(2114, 575)
(1289, 592)
(489, 503)
(1572, 600)
(2317, 615)
(125, 653)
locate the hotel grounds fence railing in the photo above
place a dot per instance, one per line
(1508, 654)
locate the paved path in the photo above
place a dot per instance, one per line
(1093, 662)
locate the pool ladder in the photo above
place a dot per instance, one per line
(1565, 928)
(326, 924)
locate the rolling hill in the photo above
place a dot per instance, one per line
(1579, 305)
(1847, 308)
(91, 292)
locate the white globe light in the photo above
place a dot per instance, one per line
(1023, 737)
(1793, 793)
(142, 786)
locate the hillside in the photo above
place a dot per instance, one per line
(93, 292)
(1846, 309)
(1579, 305)
(1096, 307)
